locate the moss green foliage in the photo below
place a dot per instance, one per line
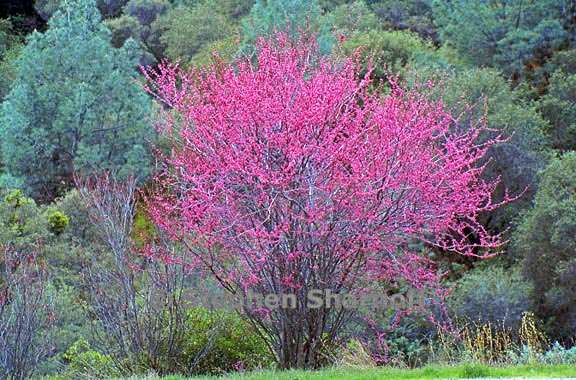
(546, 241)
(224, 49)
(387, 51)
(21, 222)
(146, 11)
(143, 229)
(108, 8)
(10, 44)
(74, 106)
(123, 28)
(57, 222)
(84, 362)
(185, 30)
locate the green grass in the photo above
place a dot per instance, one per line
(432, 372)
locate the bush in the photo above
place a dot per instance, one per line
(122, 28)
(351, 18)
(57, 222)
(25, 310)
(86, 363)
(556, 355)
(546, 241)
(185, 30)
(559, 355)
(231, 342)
(559, 108)
(146, 11)
(388, 51)
(491, 295)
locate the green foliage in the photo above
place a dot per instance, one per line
(69, 322)
(330, 5)
(225, 49)
(564, 61)
(74, 105)
(123, 28)
(483, 93)
(291, 16)
(8, 70)
(8, 37)
(80, 230)
(387, 51)
(234, 342)
(506, 34)
(351, 18)
(57, 222)
(234, 9)
(146, 11)
(558, 106)
(405, 347)
(491, 294)
(143, 229)
(556, 355)
(546, 241)
(137, 23)
(21, 221)
(185, 30)
(46, 8)
(9, 48)
(108, 8)
(414, 15)
(84, 362)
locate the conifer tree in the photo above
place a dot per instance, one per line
(75, 105)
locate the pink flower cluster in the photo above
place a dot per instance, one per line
(291, 171)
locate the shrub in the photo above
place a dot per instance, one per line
(57, 222)
(559, 355)
(351, 18)
(84, 362)
(387, 51)
(146, 11)
(558, 106)
(25, 309)
(367, 175)
(185, 30)
(230, 342)
(491, 295)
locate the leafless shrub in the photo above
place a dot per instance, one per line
(25, 310)
(137, 299)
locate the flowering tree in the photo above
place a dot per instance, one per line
(289, 175)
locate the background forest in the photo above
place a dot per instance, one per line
(76, 303)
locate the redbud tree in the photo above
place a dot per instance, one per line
(289, 174)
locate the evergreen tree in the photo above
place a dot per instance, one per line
(75, 105)
(546, 239)
(559, 107)
(507, 34)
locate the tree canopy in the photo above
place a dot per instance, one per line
(75, 105)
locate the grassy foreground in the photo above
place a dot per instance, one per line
(432, 372)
